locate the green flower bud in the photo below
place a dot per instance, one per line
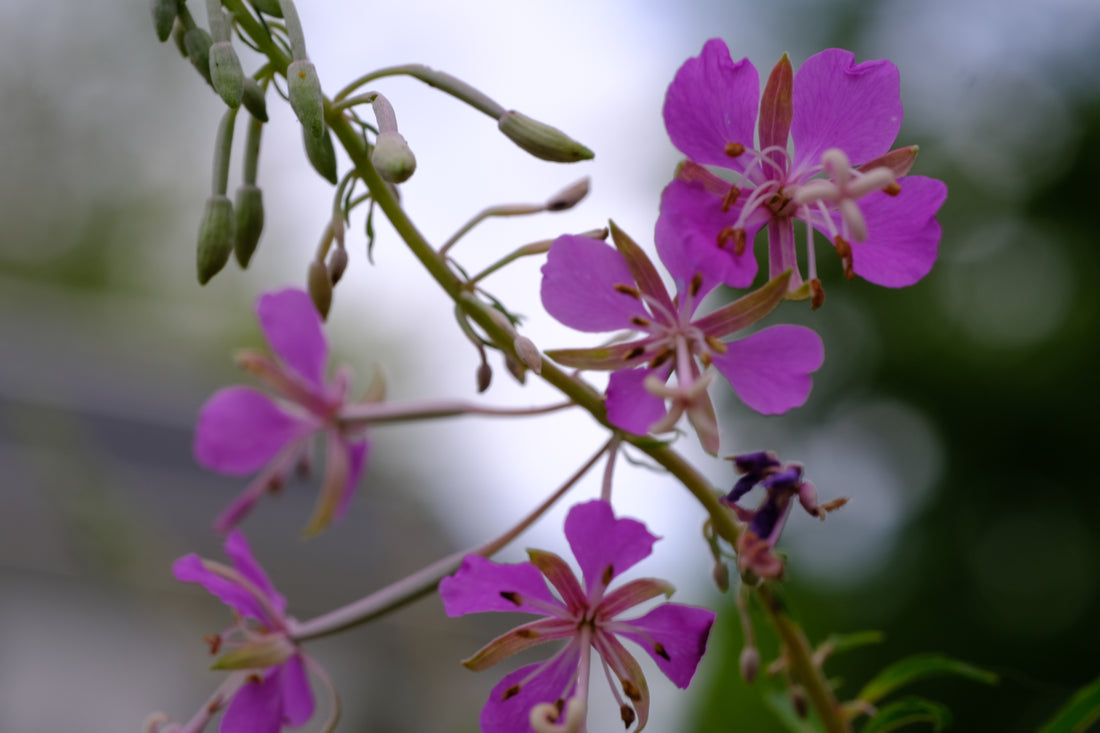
(266, 651)
(542, 140)
(179, 32)
(164, 17)
(249, 211)
(254, 99)
(321, 154)
(226, 74)
(215, 237)
(392, 157)
(270, 7)
(198, 43)
(320, 287)
(306, 98)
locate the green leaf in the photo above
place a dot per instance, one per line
(1079, 713)
(907, 712)
(840, 643)
(909, 670)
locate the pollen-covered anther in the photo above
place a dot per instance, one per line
(730, 198)
(817, 294)
(734, 150)
(627, 714)
(631, 690)
(628, 290)
(893, 189)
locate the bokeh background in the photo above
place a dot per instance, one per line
(958, 415)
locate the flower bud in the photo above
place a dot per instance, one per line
(164, 17)
(215, 237)
(320, 287)
(721, 575)
(322, 156)
(484, 376)
(749, 663)
(266, 651)
(392, 157)
(254, 99)
(337, 264)
(226, 74)
(528, 353)
(249, 209)
(269, 7)
(198, 43)
(178, 35)
(306, 98)
(569, 197)
(516, 368)
(542, 140)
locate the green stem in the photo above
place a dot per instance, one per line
(222, 149)
(439, 79)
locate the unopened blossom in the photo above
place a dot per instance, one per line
(553, 695)
(782, 483)
(271, 689)
(815, 147)
(242, 430)
(593, 287)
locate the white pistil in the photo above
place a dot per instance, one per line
(844, 187)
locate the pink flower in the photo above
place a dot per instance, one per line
(839, 176)
(587, 616)
(242, 430)
(274, 690)
(592, 287)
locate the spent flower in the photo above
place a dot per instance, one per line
(552, 695)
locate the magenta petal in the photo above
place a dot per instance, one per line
(629, 405)
(578, 285)
(682, 633)
(256, 708)
(240, 429)
(555, 681)
(190, 569)
(293, 330)
(298, 702)
(602, 543)
(482, 585)
(357, 461)
(839, 104)
(236, 546)
(903, 235)
(713, 101)
(687, 237)
(770, 370)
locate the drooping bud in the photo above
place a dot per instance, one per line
(542, 140)
(226, 74)
(749, 663)
(321, 154)
(721, 575)
(516, 368)
(337, 264)
(249, 211)
(484, 376)
(568, 197)
(215, 237)
(320, 287)
(179, 32)
(270, 7)
(164, 17)
(198, 43)
(392, 157)
(306, 98)
(254, 99)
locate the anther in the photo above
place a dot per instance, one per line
(510, 692)
(892, 189)
(725, 236)
(608, 574)
(696, 284)
(659, 650)
(627, 714)
(628, 290)
(734, 149)
(730, 198)
(511, 597)
(634, 353)
(660, 359)
(739, 242)
(527, 633)
(631, 690)
(214, 642)
(715, 345)
(641, 322)
(817, 294)
(845, 251)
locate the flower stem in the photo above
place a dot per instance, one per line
(439, 79)
(424, 581)
(384, 412)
